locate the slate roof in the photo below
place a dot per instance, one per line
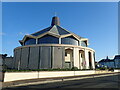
(53, 29)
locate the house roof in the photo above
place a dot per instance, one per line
(117, 57)
(106, 60)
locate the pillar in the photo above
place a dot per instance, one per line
(76, 57)
(86, 59)
(93, 61)
(59, 40)
(36, 40)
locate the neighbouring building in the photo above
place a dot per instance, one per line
(5, 61)
(1, 62)
(8, 61)
(117, 61)
(54, 47)
(110, 63)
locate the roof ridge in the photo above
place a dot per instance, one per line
(71, 32)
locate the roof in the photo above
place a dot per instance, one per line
(117, 57)
(55, 29)
(106, 60)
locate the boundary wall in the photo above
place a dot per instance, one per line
(13, 76)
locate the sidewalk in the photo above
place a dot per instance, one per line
(54, 79)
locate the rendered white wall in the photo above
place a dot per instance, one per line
(12, 76)
(87, 59)
(76, 58)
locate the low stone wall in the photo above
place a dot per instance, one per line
(117, 70)
(13, 76)
(102, 71)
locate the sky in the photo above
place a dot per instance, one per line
(97, 21)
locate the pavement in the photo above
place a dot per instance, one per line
(52, 80)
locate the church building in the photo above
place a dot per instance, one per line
(53, 47)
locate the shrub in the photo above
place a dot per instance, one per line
(74, 68)
(111, 69)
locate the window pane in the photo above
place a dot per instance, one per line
(30, 41)
(69, 40)
(83, 44)
(47, 39)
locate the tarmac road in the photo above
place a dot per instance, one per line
(112, 81)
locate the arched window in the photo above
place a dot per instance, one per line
(69, 40)
(30, 41)
(48, 39)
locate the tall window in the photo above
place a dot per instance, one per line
(30, 41)
(69, 40)
(83, 43)
(48, 39)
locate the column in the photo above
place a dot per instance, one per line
(87, 59)
(93, 61)
(80, 61)
(76, 57)
(79, 43)
(36, 40)
(59, 40)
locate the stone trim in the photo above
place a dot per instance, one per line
(65, 45)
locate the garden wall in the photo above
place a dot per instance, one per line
(12, 76)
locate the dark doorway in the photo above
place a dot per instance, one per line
(90, 60)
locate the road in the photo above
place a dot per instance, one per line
(112, 81)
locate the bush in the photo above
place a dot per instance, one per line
(101, 68)
(74, 68)
(54, 69)
(111, 69)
